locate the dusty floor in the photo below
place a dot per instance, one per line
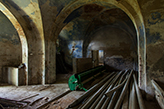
(34, 96)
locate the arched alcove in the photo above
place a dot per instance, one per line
(19, 30)
(135, 17)
(33, 30)
(15, 50)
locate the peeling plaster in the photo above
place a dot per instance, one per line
(32, 25)
(76, 13)
(153, 37)
(156, 17)
(65, 7)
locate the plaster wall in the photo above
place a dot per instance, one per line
(120, 53)
(71, 39)
(153, 15)
(10, 46)
(27, 13)
(75, 37)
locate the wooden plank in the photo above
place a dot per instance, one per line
(29, 97)
(11, 103)
(36, 101)
(49, 102)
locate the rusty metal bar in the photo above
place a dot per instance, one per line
(87, 105)
(90, 91)
(139, 96)
(118, 104)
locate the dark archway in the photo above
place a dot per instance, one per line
(133, 13)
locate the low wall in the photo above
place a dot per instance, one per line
(81, 64)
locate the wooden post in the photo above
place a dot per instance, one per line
(95, 57)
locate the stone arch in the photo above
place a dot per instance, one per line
(35, 42)
(20, 31)
(134, 14)
(22, 37)
(85, 45)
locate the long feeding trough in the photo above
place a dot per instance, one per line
(77, 81)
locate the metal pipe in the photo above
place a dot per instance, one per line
(118, 104)
(87, 105)
(106, 103)
(125, 104)
(91, 90)
(110, 96)
(115, 94)
(101, 98)
(115, 88)
(139, 96)
(118, 86)
(157, 87)
(87, 99)
(132, 101)
(130, 95)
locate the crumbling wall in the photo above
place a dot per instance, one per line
(10, 54)
(55, 15)
(120, 52)
(71, 39)
(153, 15)
(27, 13)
